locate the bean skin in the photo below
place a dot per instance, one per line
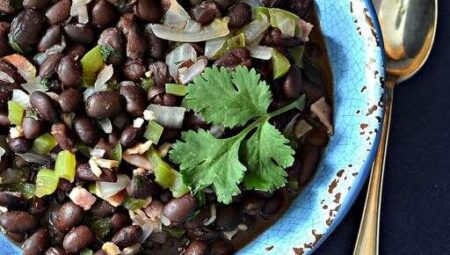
(69, 72)
(19, 145)
(59, 12)
(78, 239)
(43, 105)
(12, 201)
(121, 121)
(17, 221)
(235, 57)
(32, 128)
(179, 209)
(26, 29)
(135, 99)
(68, 216)
(37, 243)
(48, 68)
(127, 236)
(85, 129)
(104, 104)
(136, 45)
(70, 100)
(148, 10)
(63, 136)
(134, 70)
(51, 37)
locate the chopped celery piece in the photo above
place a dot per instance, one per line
(280, 64)
(237, 41)
(15, 113)
(133, 204)
(91, 63)
(84, 149)
(116, 153)
(261, 13)
(44, 144)
(166, 176)
(176, 89)
(86, 252)
(46, 182)
(65, 165)
(153, 132)
(101, 227)
(93, 188)
(284, 20)
(216, 48)
(147, 83)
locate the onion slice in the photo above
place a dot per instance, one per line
(109, 189)
(187, 74)
(168, 116)
(261, 52)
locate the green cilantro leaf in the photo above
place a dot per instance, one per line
(266, 154)
(205, 160)
(228, 99)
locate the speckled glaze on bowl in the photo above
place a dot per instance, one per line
(354, 46)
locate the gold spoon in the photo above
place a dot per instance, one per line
(409, 28)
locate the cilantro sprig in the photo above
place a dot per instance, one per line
(257, 156)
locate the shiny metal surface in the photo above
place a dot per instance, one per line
(409, 29)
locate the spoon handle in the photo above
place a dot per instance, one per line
(368, 235)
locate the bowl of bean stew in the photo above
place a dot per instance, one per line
(206, 127)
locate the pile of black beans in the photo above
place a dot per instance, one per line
(54, 225)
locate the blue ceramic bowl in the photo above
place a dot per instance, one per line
(354, 46)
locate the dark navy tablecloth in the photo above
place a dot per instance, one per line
(416, 198)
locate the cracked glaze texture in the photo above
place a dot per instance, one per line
(358, 67)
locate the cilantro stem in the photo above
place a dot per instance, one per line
(299, 104)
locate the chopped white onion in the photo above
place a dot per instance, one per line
(213, 47)
(193, 26)
(79, 8)
(149, 115)
(106, 125)
(109, 189)
(32, 157)
(5, 77)
(103, 77)
(187, 74)
(138, 161)
(15, 132)
(213, 217)
(147, 225)
(140, 148)
(111, 248)
(217, 131)
(94, 167)
(2, 152)
(288, 130)
(323, 111)
(20, 97)
(35, 85)
(301, 128)
(106, 163)
(254, 31)
(218, 28)
(179, 55)
(81, 197)
(168, 116)
(132, 250)
(57, 48)
(261, 52)
(305, 30)
(68, 118)
(97, 152)
(138, 122)
(88, 92)
(176, 15)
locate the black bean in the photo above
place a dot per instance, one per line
(194, 121)
(16, 237)
(130, 136)
(4, 121)
(158, 46)
(17, 221)
(119, 220)
(69, 72)
(148, 10)
(275, 38)
(134, 69)
(127, 236)
(136, 45)
(202, 233)
(113, 44)
(221, 247)
(317, 137)
(38, 206)
(80, 33)
(102, 209)
(70, 100)
(101, 252)
(43, 105)
(59, 12)
(141, 187)
(37, 243)
(85, 129)
(48, 68)
(272, 206)
(160, 75)
(300, 7)
(32, 128)
(156, 94)
(36, 4)
(135, 99)
(235, 57)
(12, 201)
(309, 158)
(205, 12)
(19, 145)
(121, 120)
(78, 239)
(55, 251)
(252, 205)
(85, 173)
(63, 136)
(51, 37)
(292, 83)
(76, 51)
(225, 4)
(68, 216)
(104, 104)
(4, 46)
(170, 100)
(65, 185)
(272, 3)
(104, 14)
(239, 15)
(127, 23)
(5, 163)
(196, 248)
(26, 29)
(228, 217)
(179, 209)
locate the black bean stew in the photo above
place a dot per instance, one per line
(108, 146)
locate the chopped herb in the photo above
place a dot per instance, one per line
(108, 51)
(116, 153)
(207, 161)
(133, 204)
(147, 83)
(86, 252)
(101, 227)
